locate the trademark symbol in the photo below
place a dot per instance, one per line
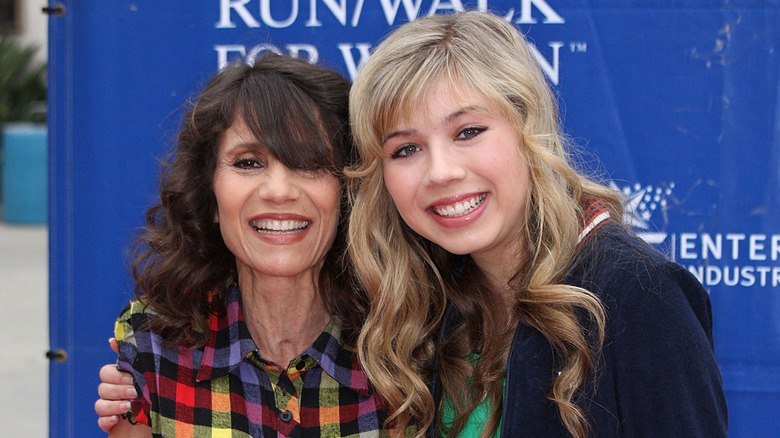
(578, 46)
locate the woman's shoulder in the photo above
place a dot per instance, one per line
(638, 285)
(658, 329)
(133, 320)
(619, 267)
(137, 306)
(616, 256)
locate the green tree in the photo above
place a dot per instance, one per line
(22, 83)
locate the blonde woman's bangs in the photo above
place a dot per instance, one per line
(404, 94)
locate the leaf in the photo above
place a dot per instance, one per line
(22, 82)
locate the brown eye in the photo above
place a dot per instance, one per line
(247, 163)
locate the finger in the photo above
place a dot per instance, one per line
(110, 374)
(113, 344)
(109, 408)
(109, 391)
(108, 423)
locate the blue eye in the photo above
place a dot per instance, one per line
(470, 132)
(405, 151)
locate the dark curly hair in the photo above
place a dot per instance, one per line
(299, 111)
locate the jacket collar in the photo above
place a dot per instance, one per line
(595, 214)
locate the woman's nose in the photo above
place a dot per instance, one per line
(279, 184)
(444, 165)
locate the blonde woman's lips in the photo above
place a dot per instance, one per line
(458, 211)
(460, 208)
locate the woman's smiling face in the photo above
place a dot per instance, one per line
(277, 221)
(457, 173)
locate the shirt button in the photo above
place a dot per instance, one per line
(300, 365)
(286, 416)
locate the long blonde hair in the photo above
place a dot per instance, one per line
(410, 280)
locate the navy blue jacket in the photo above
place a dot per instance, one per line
(657, 375)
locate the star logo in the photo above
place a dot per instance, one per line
(641, 202)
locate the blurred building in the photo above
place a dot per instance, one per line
(25, 20)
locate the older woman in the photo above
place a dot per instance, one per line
(245, 317)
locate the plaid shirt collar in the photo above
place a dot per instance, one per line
(229, 343)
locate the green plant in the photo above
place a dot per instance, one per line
(22, 83)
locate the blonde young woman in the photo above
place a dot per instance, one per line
(506, 297)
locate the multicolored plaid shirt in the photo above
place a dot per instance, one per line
(226, 389)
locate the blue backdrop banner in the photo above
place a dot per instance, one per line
(676, 101)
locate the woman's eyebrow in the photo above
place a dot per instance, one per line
(447, 120)
(399, 133)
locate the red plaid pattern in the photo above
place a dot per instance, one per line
(227, 389)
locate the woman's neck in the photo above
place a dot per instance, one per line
(500, 264)
(498, 273)
(499, 270)
(284, 316)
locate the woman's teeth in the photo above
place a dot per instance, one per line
(460, 208)
(278, 226)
